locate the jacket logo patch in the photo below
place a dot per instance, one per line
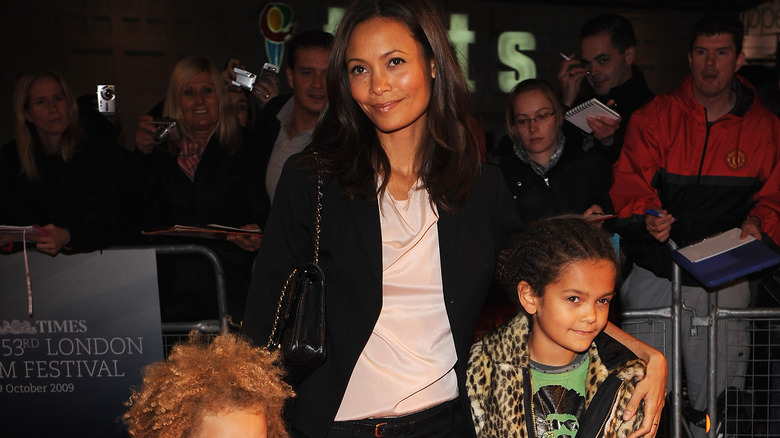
(736, 159)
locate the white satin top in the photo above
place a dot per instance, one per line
(408, 363)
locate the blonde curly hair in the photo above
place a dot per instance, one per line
(201, 378)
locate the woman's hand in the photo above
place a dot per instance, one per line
(652, 389)
(247, 242)
(52, 243)
(144, 135)
(229, 74)
(6, 243)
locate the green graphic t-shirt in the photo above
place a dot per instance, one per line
(559, 397)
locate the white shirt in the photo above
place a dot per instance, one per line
(408, 363)
(284, 148)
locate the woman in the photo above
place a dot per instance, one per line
(544, 166)
(410, 230)
(207, 176)
(56, 175)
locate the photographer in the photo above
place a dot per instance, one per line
(205, 172)
(59, 175)
(248, 104)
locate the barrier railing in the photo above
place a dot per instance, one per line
(751, 411)
(178, 331)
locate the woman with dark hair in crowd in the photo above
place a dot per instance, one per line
(208, 175)
(409, 232)
(56, 175)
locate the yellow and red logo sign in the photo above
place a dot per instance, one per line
(276, 25)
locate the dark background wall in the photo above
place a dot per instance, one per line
(135, 43)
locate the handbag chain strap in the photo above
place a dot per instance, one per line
(317, 217)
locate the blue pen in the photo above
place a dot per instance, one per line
(653, 212)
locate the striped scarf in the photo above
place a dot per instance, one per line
(189, 156)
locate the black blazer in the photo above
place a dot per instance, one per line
(351, 257)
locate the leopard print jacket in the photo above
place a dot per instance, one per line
(495, 383)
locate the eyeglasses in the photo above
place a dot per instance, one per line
(541, 118)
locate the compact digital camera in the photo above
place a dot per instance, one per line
(244, 79)
(270, 70)
(106, 99)
(166, 130)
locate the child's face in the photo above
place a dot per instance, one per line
(572, 311)
(234, 424)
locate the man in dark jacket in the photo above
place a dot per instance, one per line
(290, 120)
(608, 46)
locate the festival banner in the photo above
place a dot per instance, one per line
(67, 369)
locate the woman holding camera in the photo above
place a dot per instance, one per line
(56, 175)
(205, 173)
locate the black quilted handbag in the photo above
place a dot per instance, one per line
(299, 324)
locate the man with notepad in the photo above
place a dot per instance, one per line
(606, 72)
(697, 161)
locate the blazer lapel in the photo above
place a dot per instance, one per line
(366, 218)
(448, 232)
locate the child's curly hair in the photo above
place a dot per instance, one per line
(201, 378)
(545, 248)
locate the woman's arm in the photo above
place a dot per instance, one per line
(652, 389)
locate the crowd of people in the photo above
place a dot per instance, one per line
(415, 229)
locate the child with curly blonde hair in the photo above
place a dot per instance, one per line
(225, 388)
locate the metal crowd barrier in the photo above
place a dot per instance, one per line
(174, 332)
(753, 411)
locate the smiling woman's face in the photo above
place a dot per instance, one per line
(389, 75)
(200, 103)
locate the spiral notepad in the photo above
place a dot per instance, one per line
(592, 108)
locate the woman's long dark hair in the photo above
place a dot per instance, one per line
(346, 140)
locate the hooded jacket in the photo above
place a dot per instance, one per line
(499, 385)
(710, 177)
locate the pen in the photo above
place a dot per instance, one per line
(587, 73)
(656, 213)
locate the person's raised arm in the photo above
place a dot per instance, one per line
(570, 77)
(144, 135)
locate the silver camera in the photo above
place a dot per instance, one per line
(244, 79)
(270, 71)
(166, 130)
(106, 99)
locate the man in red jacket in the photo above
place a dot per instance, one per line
(706, 157)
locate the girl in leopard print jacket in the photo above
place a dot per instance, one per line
(551, 371)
